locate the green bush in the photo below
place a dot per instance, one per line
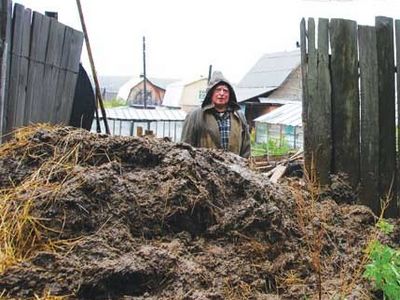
(272, 147)
(384, 267)
(114, 103)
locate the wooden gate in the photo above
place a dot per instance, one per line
(39, 67)
(349, 105)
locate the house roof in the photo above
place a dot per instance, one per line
(111, 83)
(269, 72)
(144, 115)
(124, 90)
(288, 114)
(276, 100)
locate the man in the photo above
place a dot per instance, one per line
(218, 123)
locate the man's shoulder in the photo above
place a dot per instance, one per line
(195, 112)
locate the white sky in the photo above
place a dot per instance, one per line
(183, 37)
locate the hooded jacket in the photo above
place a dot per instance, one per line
(200, 128)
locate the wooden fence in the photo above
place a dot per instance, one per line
(349, 105)
(39, 67)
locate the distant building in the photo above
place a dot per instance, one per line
(110, 85)
(133, 91)
(187, 95)
(273, 81)
(283, 126)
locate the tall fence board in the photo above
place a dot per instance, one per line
(387, 111)
(369, 150)
(345, 102)
(361, 96)
(5, 36)
(40, 71)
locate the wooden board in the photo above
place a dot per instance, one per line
(345, 101)
(397, 37)
(304, 83)
(387, 137)
(72, 75)
(52, 70)
(5, 38)
(369, 164)
(37, 57)
(322, 108)
(312, 94)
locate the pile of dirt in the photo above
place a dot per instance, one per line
(144, 218)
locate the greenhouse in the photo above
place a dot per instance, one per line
(282, 127)
(127, 121)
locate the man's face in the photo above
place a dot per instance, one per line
(220, 97)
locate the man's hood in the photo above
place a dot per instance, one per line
(215, 80)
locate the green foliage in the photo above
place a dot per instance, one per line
(385, 226)
(114, 103)
(272, 147)
(253, 136)
(384, 269)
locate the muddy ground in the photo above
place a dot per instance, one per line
(145, 218)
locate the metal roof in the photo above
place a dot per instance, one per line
(277, 101)
(144, 115)
(288, 114)
(269, 72)
(125, 89)
(243, 94)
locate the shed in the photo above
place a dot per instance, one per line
(186, 94)
(282, 126)
(275, 76)
(163, 122)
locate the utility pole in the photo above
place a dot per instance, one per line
(144, 74)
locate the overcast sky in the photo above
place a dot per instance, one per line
(183, 37)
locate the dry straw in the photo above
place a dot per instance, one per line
(22, 232)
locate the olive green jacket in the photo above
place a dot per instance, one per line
(200, 128)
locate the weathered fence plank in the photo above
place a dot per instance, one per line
(18, 67)
(345, 102)
(397, 36)
(322, 107)
(305, 104)
(312, 93)
(72, 74)
(36, 85)
(387, 138)
(52, 69)
(72, 41)
(369, 147)
(5, 41)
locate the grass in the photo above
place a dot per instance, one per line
(114, 103)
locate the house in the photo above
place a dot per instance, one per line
(273, 81)
(186, 94)
(133, 90)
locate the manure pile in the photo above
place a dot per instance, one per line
(89, 216)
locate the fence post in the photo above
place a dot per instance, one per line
(397, 36)
(345, 101)
(387, 136)
(5, 38)
(369, 148)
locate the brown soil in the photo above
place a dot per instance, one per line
(144, 218)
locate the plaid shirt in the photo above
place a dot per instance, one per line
(224, 126)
